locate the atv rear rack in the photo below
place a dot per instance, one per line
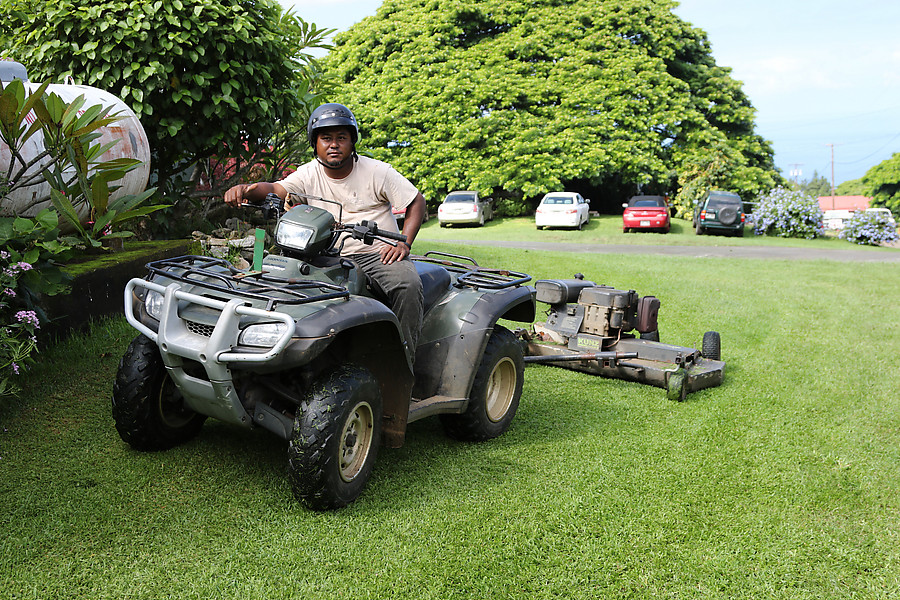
(254, 285)
(474, 276)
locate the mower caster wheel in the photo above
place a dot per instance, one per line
(712, 346)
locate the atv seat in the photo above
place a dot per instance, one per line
(435, 281)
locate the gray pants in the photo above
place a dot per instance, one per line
(399, 282)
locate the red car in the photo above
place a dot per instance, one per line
(646, 212)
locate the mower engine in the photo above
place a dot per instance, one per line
(582, 314)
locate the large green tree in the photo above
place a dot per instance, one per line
(882, 183)
(518, 98)
(204, 76)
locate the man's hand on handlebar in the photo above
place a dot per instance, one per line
(252, 193)
(236, 195)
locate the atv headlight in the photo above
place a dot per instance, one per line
(153, 304)
(263, 335)
(293, 235)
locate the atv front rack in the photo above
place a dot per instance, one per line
(254, 285)
(471, 275)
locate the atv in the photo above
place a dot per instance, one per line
(304, 347)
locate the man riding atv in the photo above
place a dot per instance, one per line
(305, 348)
(366, 189)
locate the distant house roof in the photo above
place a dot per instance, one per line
(844, 202)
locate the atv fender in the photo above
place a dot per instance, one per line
(365, 332)
(456, 333)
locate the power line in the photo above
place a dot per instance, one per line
(873, 154)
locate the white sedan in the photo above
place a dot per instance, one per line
(562, 209)
(465, 207)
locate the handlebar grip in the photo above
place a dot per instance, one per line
(372, 228)
(392, 236)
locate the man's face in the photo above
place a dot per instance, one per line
(334, 145)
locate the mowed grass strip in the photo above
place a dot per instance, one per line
(782, 483)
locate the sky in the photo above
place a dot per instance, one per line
(824, 77)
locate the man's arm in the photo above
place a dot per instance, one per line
(415, 213)
(253, 193)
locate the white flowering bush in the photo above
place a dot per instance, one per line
(869, 228)
(787, 213)
(18, 328)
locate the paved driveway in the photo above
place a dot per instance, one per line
(762, 252)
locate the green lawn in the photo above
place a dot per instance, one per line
(782, 483)
(607, 229)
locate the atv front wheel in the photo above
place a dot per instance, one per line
(495, 392)
(336, 438)
(148, 409)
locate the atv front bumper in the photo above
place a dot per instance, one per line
(217, 352)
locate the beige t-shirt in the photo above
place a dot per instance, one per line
(367, 193)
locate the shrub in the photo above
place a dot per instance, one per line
(787, 213)
(869, 228)
(18, 328)
(197, 73)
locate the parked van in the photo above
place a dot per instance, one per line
(834, 219)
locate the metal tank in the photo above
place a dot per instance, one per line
(132, 143)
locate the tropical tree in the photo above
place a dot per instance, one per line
(853, 187)
(817, 186)
(205, 77)
(882, 183)
(518, 98)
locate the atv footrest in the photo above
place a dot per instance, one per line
(426, 407)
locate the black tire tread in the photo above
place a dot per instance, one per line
(312, 456)
(711, 347)
(141, 372)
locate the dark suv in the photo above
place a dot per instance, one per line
(719, 211)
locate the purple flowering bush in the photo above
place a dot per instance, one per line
(18, 328)
(869, 228)
(787, 213)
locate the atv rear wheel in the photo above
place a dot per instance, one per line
(495, 392)
(148, 409)
(336, 437)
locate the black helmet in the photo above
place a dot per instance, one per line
(331, 115)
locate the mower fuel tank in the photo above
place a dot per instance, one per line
(559, 291)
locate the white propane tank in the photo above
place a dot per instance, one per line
(132, 143)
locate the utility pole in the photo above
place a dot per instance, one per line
(832, 174)
(796, 172)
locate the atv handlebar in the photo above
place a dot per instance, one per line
(272, 207)
(368, 231)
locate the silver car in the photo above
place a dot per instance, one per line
(465, 207)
